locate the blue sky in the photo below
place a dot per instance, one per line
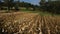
(35, 2)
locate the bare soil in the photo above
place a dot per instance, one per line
(28, 23)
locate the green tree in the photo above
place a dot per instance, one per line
(0, 4)
(16, 5)
(8, 3)
(51, 6)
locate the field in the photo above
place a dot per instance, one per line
(29, 23)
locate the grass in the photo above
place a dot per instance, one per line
(39, 12)
(45, 13)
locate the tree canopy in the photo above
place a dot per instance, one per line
(52, 6)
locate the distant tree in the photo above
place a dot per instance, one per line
(16, 5)
(8, 3)
(50, 6)
(27, 5)
(23, 4)
(0, 4)
(33, 6)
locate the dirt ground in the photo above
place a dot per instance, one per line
(28, 23)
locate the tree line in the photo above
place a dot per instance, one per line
(51, 6)
(9, 4)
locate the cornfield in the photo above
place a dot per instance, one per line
(28, 23)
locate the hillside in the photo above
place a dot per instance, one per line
(28, 23)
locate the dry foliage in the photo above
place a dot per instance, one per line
(28, 23)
